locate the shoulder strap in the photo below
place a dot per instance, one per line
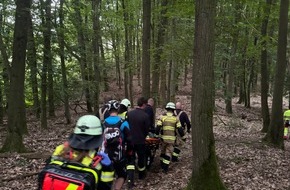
(119, 123)
(178, 115)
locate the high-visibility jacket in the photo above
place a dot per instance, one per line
(123, 115)
(169, 124)
(286, 115)
(106, 172)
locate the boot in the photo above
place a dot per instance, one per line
(166, 161)
(161, 159)
(175, 154)
(130, 176)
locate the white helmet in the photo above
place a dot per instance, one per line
(170, 105)
(87, 134)
(126, 103)
(88, 125)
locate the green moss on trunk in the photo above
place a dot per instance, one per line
(207, 178)
(13, 143)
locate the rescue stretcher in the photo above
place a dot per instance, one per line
(152, 143)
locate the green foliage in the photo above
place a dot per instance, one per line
(239, 19)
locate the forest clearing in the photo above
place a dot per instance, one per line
(245, 162)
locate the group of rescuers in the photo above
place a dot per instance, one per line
(88, 136)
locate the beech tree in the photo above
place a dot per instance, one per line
(275, 131)
(146, 48)
(16, 109)
(205, 173)
(264, 67)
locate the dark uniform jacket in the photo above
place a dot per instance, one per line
(184, 120)
(139, 125)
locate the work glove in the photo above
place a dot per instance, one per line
(105, 158)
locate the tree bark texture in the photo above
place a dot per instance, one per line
(205, 174)
(48, 57)
(275, 132)
(16, 109)
(264, 68)
(43, 115)
(96, 52)
(61, 42)
(127, 48)
(159, 47)
(83, 53)
(146, 48)
(32, 63)
(6, 67)
(232, 63)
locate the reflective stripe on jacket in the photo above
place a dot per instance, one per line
(169, 123)
(286, 115)
(105, 176)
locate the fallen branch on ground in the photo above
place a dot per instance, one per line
(33, 155)
(18, 177)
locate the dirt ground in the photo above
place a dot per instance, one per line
(245, 162)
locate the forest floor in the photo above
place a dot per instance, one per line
(245, 162)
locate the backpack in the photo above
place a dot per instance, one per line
(65, 175)
(113, 141)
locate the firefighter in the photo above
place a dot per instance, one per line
(167, 125)
(124, 107)
(286, 116)
(82, 147)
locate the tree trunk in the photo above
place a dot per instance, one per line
(131, 56)
(115, 45)
(185, 73)
(1, 105)
(232, 63)
(139, 56)
(6, 66)
(264, 68)
(205, 173)
(48, 54)
(83, 53)
(275, 132)
(249, 84)
(127, 48)
(158, 54)
(242, 88)
(116, 49)
(96, 52)
(163, 62)
(46, 42)
(62, 62)
(172, 79)
(146, 48)
(16, 109)
(32, 63)
(105, 77)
